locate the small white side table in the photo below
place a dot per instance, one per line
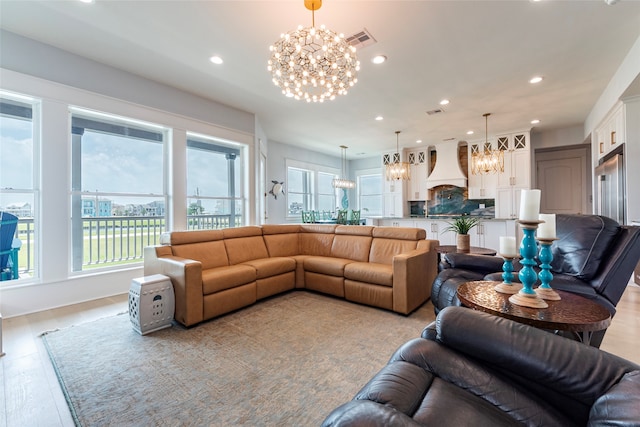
(151, 303)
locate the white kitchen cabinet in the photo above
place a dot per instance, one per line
(417, 186)
(393, 203)
(611, 133)
(436, 230)
(388, 222)
(481, 186)
(487, 233)
(516, 175)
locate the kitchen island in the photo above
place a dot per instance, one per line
(486, 234)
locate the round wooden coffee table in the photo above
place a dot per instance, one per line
(475, 250)
(573, 313)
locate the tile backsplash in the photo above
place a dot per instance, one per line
(452, 201)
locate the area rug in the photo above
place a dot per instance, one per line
(285, 361)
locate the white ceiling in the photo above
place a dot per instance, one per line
(478, 54)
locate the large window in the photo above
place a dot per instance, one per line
(326, 192)
(214, 184)
(18, 181)
(299, 194)
(308, 187)
(118, 195)
(370, 194)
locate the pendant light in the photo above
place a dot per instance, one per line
(397, 170)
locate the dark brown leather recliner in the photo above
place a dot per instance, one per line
(474, 369)
(594, 257)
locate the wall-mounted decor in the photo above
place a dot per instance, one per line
(276, 189)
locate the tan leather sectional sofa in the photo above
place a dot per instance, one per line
(217, 271)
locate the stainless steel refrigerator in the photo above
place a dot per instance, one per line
(611, 195)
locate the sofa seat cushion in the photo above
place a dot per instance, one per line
(369, 272)
(326, 265)
(269, 267)
(221, 278)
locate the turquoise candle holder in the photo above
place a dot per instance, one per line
(545, 291)
(526, 296)
(507, 286)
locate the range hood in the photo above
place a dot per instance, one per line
(447, 170)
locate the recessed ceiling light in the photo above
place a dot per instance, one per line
(86, 1)
(379, 59)
(469, 132)
(535, 121)
(378, 118)
(418, 141)
(216, 60)
(444, 102)
(536, 79)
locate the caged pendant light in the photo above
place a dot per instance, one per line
(488, 160)
(397, 170)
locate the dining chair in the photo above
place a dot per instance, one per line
(355, 218)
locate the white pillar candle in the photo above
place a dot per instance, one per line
(547, 229)
(529, 205)
(508, 246)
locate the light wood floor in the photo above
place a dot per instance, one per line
(31, 396)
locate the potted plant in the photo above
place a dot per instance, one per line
(461, 226)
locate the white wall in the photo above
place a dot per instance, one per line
(557, 137)
(37, 59)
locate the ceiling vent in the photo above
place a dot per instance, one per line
(361, 39)
(436, 111)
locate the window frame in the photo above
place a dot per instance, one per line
(313, 170)
(363, 173)
(212, 144)
(32, 250)
(121, 126)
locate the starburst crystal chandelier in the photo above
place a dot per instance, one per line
(314, 64)
(397, 170)
(487, 160)
(343, 181)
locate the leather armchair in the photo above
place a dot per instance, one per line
(472, 368)
(594, 257)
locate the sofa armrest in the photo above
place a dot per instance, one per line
(532, 356)
(367, 413)
(186, 277)
(479, 263)
(413, 274)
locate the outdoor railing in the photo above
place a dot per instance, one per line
(116, 240)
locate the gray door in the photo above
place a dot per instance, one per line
(563, 176)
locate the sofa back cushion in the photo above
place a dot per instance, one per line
(210, 254)
(383, 250)
(184, 237)
(281, 240)
(582, 245)
(390, 241)
(244, 244)
(352, 242)
(351, 247)
(316, 239)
